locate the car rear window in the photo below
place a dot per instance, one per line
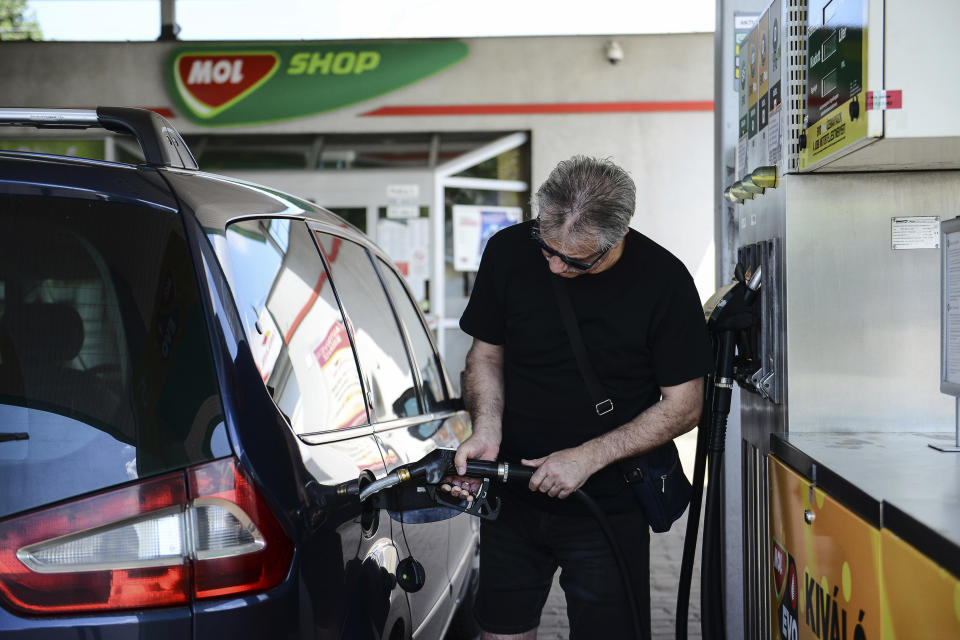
(106, 375)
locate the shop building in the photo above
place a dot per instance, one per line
(393, 135)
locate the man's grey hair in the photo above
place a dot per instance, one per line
(586, 198)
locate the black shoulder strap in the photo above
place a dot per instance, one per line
(603, 404)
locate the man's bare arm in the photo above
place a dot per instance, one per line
(483, 386)
(483, 396)
(563, 472)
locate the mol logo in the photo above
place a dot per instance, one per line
(211, 83)
(240, 85)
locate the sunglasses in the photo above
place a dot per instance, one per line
(573, 262)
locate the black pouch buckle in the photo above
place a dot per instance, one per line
(604, 407)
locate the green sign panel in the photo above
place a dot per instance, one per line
(218, 85)
(836, 72)
(835, 55)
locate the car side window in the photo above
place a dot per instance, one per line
(391, 392)
(424, 355)
(296, 331)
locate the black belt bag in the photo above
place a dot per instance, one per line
(659, 484)
(656, 477)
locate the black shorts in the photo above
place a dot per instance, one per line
(522, 549)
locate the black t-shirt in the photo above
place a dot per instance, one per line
(642, 325)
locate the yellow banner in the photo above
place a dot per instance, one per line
(920, 599)
(834, 132)
(825, 564)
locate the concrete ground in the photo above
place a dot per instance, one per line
(666, 551)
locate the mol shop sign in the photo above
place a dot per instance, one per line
(230, 85)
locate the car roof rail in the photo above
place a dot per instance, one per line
(161, 144)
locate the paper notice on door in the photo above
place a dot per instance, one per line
(473, 226)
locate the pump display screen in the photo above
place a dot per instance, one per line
(829, 83)
(829, 47)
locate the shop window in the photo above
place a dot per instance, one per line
(336, 152)
(357, 216)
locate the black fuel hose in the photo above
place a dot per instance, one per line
(693, 514)
(712, 577)
(506, 472)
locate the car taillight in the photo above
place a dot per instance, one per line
(240, 546)
(203, 534)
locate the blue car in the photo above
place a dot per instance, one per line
(192, 369)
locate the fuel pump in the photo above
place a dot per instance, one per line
(732, 317)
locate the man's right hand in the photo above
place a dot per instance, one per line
(482, 445)
(483, 396)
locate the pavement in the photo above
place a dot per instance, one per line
(666, 552)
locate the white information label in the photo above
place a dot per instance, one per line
(402, 192)
(742, 156)
(403, 211)
(915, 232)
(773, 137)
(403, 201)
(951, 292)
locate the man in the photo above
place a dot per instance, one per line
(643, 328)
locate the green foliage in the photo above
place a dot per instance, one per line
(17, 22)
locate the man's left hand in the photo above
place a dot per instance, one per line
(562, 472)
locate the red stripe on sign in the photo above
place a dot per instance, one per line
(541, 108)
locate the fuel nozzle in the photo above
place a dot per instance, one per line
(432, 468)
(487, 470)
(753, 286)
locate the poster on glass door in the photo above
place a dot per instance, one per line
(473, 226)
(407, 242)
